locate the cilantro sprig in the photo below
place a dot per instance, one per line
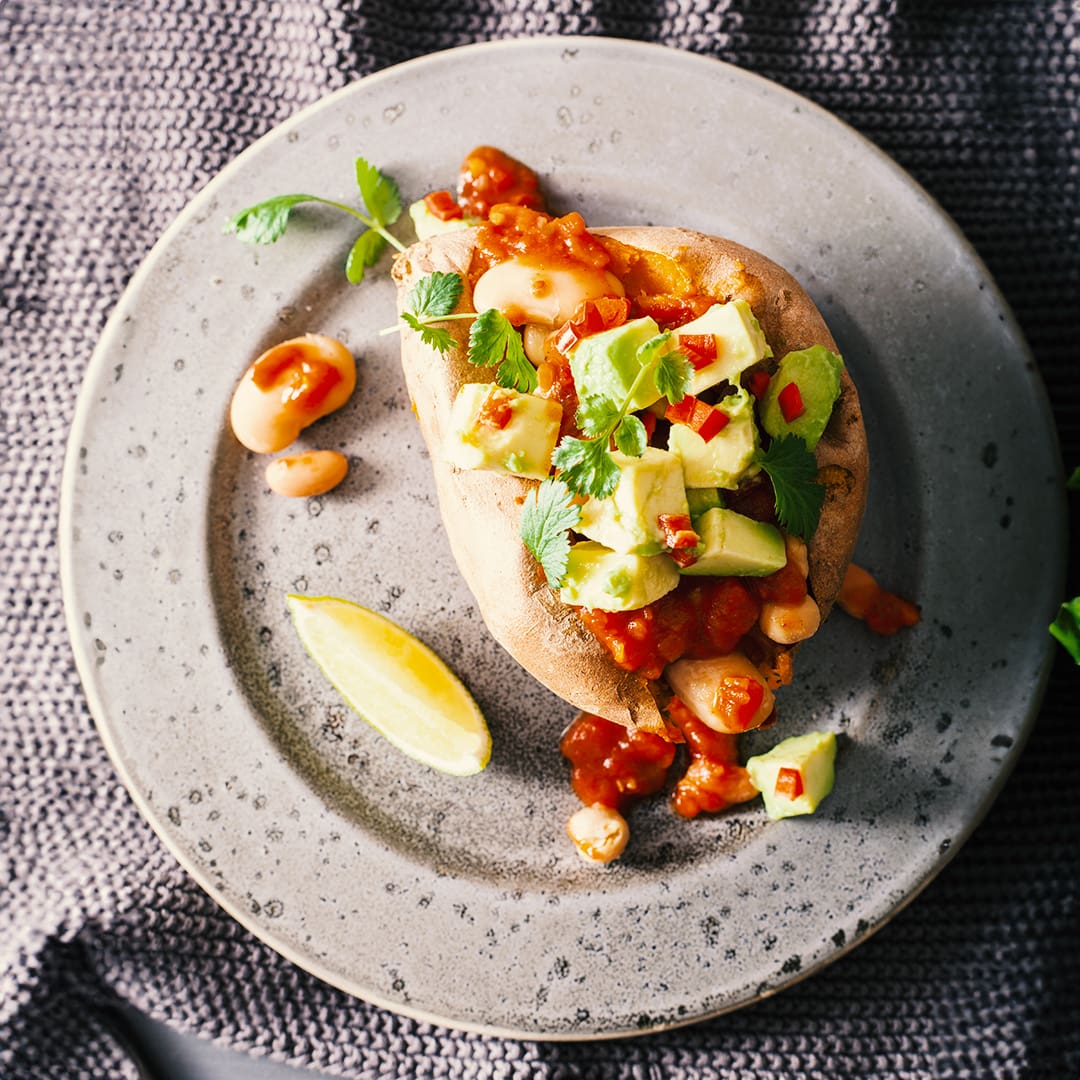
(793, 471)
(493, 340)
(266, 221)
(1066, 627)
(546, 520)
(586, 465)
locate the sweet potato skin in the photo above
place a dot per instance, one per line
(480, 510)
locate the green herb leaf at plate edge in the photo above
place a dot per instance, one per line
(266, 221)
(1066, 627)
(364, 253)
(379, 192)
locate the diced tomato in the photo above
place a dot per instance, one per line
(791, 403)
(613, 765)
(885, 612)
(671, 310)
(738, 698)
(496, 411)
(699, 349)
(442, 205)
(699, 416)
(789, 783)
(592, 317)
(488, 176)
(757, 382)
(678, 531)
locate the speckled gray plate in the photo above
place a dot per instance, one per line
(460, 900)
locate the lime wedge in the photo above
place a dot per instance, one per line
(395, 682)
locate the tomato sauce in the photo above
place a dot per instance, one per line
(489, 176)
(702, 618)
(518, 231)
(614, 765)
(305, 380)
(714, 780)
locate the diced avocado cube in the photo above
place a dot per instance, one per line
(701, 499)
(606, 364)
(816, 373)
(428, 224)
(726, 458)
(627, 520)
(502, 430)
(732, 543)
(739, 343)
(809, 760)
(597, 577)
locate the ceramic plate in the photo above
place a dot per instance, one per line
(461, 900)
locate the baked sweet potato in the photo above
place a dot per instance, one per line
(481, 510)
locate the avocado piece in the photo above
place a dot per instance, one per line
(501, 430)
(701, 499)
(732, 543)
(597, 577)
(606, 364)
(428, 224)
(739, 343)
(727, 458)
(816, 372)
(626, 520)
(810, 758)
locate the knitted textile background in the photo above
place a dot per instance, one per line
(112, 115)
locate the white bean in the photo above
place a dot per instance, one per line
(717, 692)
(788, 623)
(527, 293)
(599, 832)
(796, 553)
(313, 472)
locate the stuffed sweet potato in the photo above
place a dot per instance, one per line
(672, 277)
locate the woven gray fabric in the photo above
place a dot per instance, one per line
(112, 115)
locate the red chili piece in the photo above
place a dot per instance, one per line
(757, 382)
(791, 403)
(789, 783)
(699, 349)
(678, 531)
(699, 416)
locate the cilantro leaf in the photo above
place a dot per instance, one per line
(266, 221)
(436, 337)
(364, 253)
(435, 295)
(673, 376)
(545, 521)
(379, 192)
(793, 472)
(631, 437)
(597, 415)
(493, 340)
(1073, 482)
(586, 466)
(1066, 627)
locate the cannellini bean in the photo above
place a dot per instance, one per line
(599, 832)
(289, 387)
(534, 338)
(310, 473)
(718, 691)
(795, 547)
(528, 293)
(787, 623)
